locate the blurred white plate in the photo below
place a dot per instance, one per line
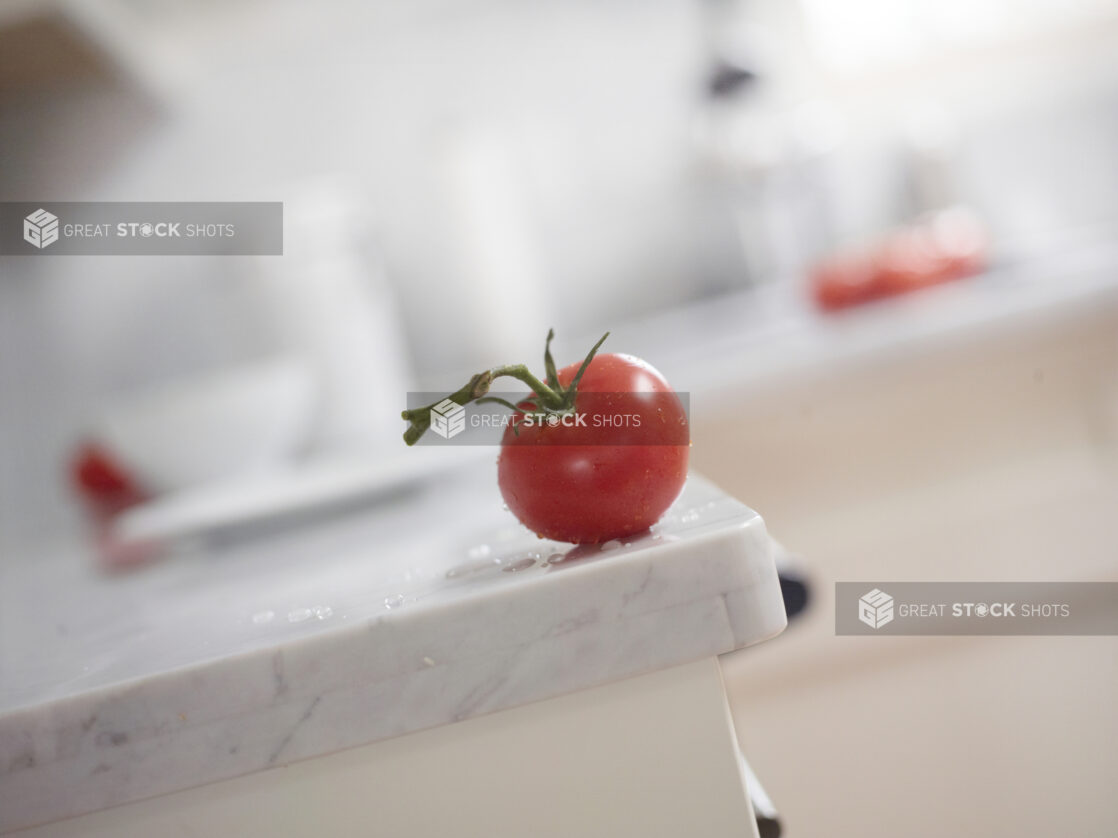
(197, 430)
(267, 497)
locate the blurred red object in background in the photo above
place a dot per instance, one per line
(106, 489)
(948, 245)
(97, 476)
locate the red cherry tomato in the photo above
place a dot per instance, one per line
(949, 245)
(613, 474)
(106, 489)
(843, 282)
(97, 475)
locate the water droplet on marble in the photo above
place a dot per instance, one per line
(428, 661)
(262, 617)
(394, 601)
(690, 516)
(323, 612)
(473, 567)
(479, 551)
(298, 615)
(521, 564)
(669, 536)
(612, 544)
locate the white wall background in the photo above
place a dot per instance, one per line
(581, 118)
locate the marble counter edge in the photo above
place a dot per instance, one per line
(662, 606)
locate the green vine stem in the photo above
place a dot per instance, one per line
(549, 398)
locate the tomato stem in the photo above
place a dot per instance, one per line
(551, 397)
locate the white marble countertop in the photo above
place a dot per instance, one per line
(246, 655)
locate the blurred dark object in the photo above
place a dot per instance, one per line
(728, 77)
(764, 812)
(946, 245)
(794, 589)
(794, 576)
(39, 51)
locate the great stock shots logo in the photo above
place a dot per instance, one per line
(151, 228)
(875, 609)
(508, 417)
(448, 419)
(40, 228)
(976, 608)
